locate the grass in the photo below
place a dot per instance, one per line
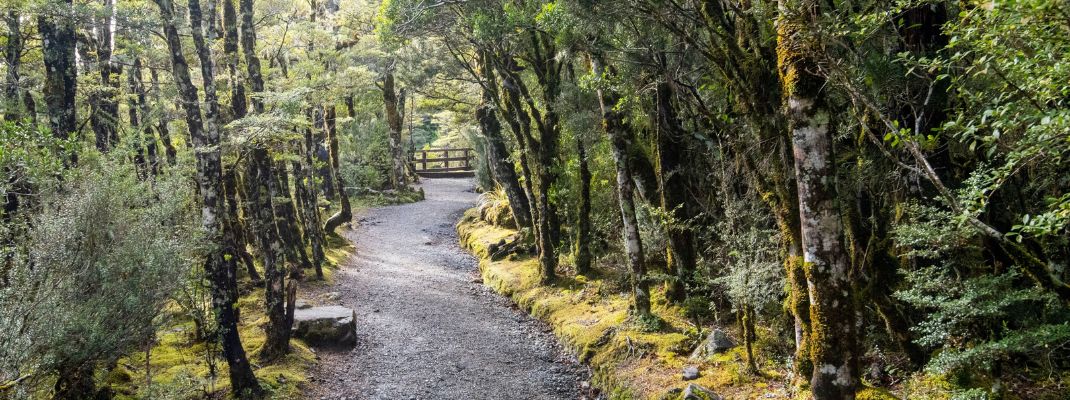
(590, 315)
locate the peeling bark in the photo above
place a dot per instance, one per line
(834, 334)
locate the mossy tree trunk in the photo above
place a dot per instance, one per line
(522, 106)
(520, 124)
(137, 111)
(345, 213)
(58, 46)
(219, 265)
(582, 256)
(306, 190)
(13, 107)
(672, 152)
(834, 334)
(161, 125)
(393, 120)
(498, 156)
(617, 129)
(105, 116)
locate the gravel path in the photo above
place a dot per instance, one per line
(425, 329)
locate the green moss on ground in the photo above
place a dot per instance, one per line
(178, 362)
(591, 317)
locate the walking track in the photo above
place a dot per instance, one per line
(426, 329)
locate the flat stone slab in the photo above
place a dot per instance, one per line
(330, 326)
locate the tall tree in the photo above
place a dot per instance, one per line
(616, 127)
(391, 102)
(220, 263)
(12, 58)
(105, 118)
(498, 156)
(61, 75)
(672, 153)
(265, 188)
(834, 334)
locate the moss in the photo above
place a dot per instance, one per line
(180, 366)
(872, 393)
(591, 317)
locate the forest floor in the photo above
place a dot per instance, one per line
(427, 328)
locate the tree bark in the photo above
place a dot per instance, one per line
(834, 335)
(393, 120)
(583, 223)
(219, 265)
(106, 116)
(262, 190)
(137, 110)
(497, 152)
(238, 104)
(545, 219)
(345, 213)
(161, 125)
(61, 75)
(306, 192)
(617, 129)
(672, 152)
(12, 57)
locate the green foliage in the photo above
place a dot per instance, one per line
(99, 262)
(978, 321)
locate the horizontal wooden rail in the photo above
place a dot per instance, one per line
(442, 164)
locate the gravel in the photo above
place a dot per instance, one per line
(426, 326)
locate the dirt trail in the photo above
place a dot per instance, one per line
(425, 329)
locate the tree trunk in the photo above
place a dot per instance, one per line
(252, 62)
(306, 192)
(545, 216)
(672, 152)
(74, 383)
(262, 190)
(219, 265)
(144, 140)
(273, 213)
(497, 153)
(345, 213)
(58, 45)
(161, 125)
(286, 211)
(12, 55)
(619, 136)
(834, 340)
(520, 124)
(393, 121)
(238, 105)
(583, 223)
(106, 118)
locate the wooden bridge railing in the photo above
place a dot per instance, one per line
(444, 160)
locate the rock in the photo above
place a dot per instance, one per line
(302, 304)
(332, 296)
(326, 326)
(690, 373)
(696, 392)
(717, 342)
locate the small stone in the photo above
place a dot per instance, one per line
(696, 392)
(690, 373)
(332, 296)
(717, 342)
(302, 304)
